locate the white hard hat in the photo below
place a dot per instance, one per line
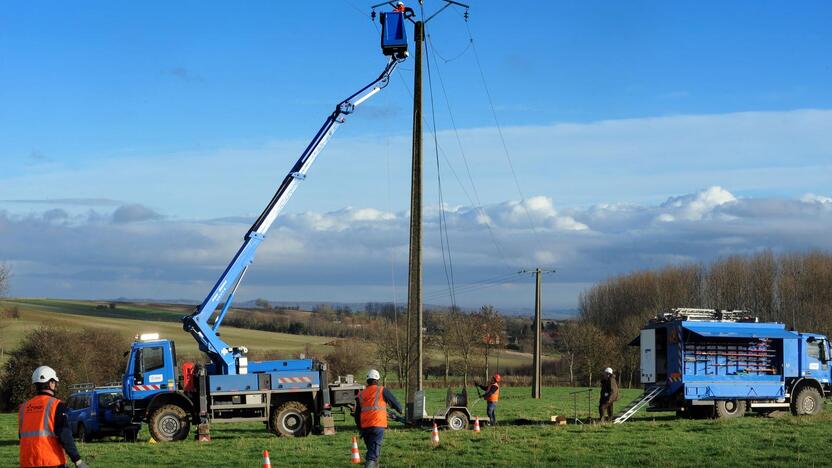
(373, 375)
(44, 374)
(608, 370)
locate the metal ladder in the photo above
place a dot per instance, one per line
(639, 403)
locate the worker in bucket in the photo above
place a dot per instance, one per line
(609, 395)
(43, 426)
(491, 397)
(371, 415)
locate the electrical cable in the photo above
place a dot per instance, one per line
(502, 139)
(455, 57)
(443, 221)
(478, 205)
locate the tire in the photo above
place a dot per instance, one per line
(728, 409)
(82, 434)
(808, 402)
(291, 419)
(169, 423)
(457, 421)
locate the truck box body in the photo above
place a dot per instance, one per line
(708, 360)
(702, 361)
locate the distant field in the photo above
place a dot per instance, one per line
(131, 319)
(648, 440)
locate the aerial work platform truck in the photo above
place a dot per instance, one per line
(719, 363)
(292, 397)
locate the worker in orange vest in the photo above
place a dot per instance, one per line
(43, 426)
(491, 397)
(371, 415)
(399, 8)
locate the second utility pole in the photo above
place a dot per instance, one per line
(538, 355)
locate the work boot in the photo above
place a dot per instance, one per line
(370, 464)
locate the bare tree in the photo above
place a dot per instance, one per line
(492, 331)
(464, 331)
(5, 275)
(568, 341)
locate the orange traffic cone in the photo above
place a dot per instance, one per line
(477, 424)
(266, 462)
(434, 435)
(355, 458)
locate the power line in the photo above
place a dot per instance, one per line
(478, 205)
(502, 138)
(443, 222)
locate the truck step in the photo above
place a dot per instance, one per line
(638, 404)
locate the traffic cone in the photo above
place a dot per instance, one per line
(266, 462)
(477, 424)
(355, 457)
(434, 435)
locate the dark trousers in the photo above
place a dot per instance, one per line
(372, 437)
(490, 408)
(605, 407)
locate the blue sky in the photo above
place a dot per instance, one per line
(122, 123)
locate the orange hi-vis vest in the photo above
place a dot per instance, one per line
(39, 445)
(494, 397)
(373, 407)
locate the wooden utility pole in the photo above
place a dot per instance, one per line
(415, 338)
(538, 366)
(537, 352)
(414, 395)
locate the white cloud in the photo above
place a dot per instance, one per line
(694, 207)
(360, 253)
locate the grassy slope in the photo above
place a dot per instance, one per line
(648, 440)
(128, 320)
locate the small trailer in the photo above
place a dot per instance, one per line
(717, 363)
(457, 415)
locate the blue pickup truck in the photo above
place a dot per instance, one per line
(94, 412)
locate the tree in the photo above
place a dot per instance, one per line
(492, 331)
(464, 330)
(95, 356)
(261, 303)
(391, 348)
(568, 341)
(5, 275)
(441, 337)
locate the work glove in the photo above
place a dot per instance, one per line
(81, 464)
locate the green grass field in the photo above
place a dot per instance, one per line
(647, 440)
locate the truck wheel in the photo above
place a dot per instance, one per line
(727, 409)
(457, 421)
(808, 402)
(291, 419)
(169, 423)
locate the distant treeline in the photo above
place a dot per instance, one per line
(793, 288)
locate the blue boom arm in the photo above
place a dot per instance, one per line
(224, 357)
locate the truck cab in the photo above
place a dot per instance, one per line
(151, 368)
(814, 358)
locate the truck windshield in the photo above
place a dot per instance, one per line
(814, 349)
